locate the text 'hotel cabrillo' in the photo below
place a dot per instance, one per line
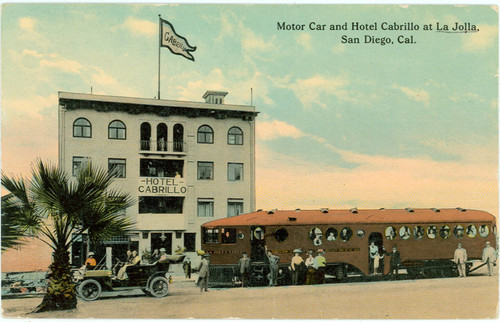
(185, 162)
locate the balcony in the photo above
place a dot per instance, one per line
(148, 147)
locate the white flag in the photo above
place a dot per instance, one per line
(178, 45)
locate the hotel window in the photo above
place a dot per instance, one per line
(235, 171)
(234, 207)
(205, 134)
(160, 205)
(79, 163)
(205, 207)
(235, 136)
(82, 128)
(117, 167)
(205, 170)
(161, 168)
(117, 130)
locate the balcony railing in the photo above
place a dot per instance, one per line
(163, 146)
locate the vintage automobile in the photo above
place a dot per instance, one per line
(150, 278)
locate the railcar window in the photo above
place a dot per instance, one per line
(494, 229)
(361, 233)
(331, 234)
(418, 232)
(471, 231)
(258, 233)
(281, 235)
(404, 232)
(390, 232)
(345, 234)
(432, 231)
(444, 232)
(316, 236)
(228, 235)
(458, 231)
(211, 236)
(484, 231)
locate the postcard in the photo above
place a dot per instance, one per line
(254, 161)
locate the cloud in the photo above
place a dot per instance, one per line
(304, 39)
(485, 38)
(314, 91)
(139, 27)
(27, 23)
(415, 95)
(273, 129)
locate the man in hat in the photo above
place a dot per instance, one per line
(311, 271)
(204, 272)
(273, 267)
(244, 266)
(460, 257)
(297, 263)
(163, 256)
(91, 263)
(395, 261)
(320, 265)
(489, 256)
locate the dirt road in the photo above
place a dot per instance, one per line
(474, 297)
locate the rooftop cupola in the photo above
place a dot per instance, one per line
(214, 97)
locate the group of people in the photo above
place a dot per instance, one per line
(460, 258)
(376, 256)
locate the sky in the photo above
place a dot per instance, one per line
(341, 125)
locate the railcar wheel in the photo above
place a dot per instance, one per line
(158, 287)
(89, 290)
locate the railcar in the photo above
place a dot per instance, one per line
(425, 238)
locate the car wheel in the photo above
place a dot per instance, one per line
(89, 290)
(158, 287)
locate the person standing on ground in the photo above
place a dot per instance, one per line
(273, 267)
(320, 265)
(460, 257)
(395, 261)
(297, 262)
(244, 267)
(204, 272)
(186, 265)
(490, 257)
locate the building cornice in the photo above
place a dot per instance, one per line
(134, 106)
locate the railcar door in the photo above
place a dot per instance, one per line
(258, 244)
(376, 253)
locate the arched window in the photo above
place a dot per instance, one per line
(145, 136)
(178, 138)
(117, 130)
(161, 137)
(82, 128)
(205, 134)
(235, 136)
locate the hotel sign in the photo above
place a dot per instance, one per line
(162, 186)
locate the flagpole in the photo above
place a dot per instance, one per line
(159, 47)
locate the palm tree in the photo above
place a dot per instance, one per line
(58, 209)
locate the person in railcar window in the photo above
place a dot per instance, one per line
(432, 232)
(483, 231)
(331, 234)
(458, 231)
(316, 235)
(444, 232)
(471, 231)
(390, 233)
(404, 232)
(346, 234)
(418, 232)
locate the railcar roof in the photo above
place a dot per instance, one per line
(322, 216)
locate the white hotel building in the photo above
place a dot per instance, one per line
(185, 163)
